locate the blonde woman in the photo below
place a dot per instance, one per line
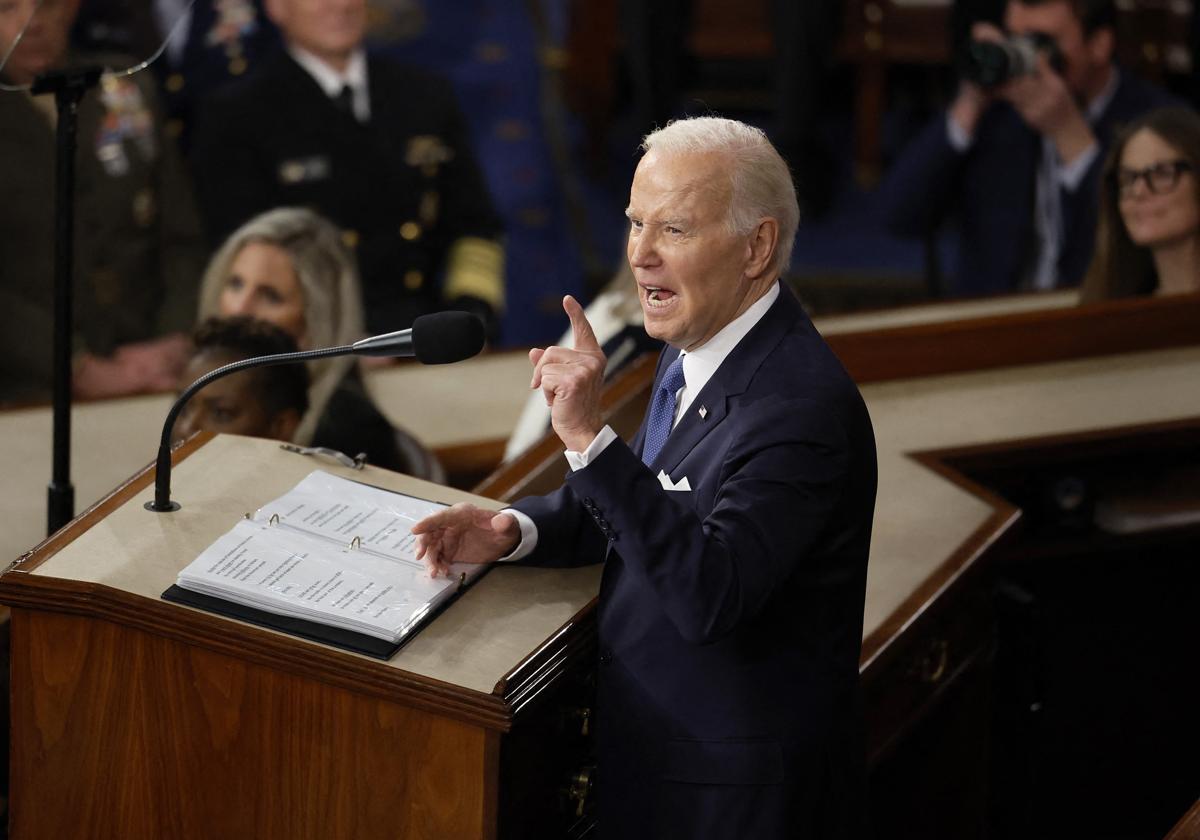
(289, 267)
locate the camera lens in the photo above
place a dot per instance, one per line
(987, 63)
(991, 63)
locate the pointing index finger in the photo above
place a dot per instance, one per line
(581, 330)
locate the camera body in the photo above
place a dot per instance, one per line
(992, 63)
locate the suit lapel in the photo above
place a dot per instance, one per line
(731, 379)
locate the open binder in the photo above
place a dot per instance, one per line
(331, 560)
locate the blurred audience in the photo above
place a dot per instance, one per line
(262, 402)
(1148, 241)
(1019, 162)
(805, 33)
(212, 42)
(138, 249)
(289, 267)
(378, 148)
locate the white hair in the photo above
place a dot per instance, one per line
(760, 181)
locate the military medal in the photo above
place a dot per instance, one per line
(236, 19)
(428, 152)
(126, 117)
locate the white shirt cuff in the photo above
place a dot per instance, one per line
(529, 536)
(1070, 175)
(960, 141)
(579, 460)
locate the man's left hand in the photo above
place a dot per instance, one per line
(464, 533)
(571, 380)
(1047, 106)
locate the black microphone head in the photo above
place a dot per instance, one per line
(445, 337)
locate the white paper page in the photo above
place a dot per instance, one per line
(288, 573)
(340, 510)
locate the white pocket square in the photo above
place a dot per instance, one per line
(665, 481)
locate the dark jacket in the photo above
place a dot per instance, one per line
(730, 617)
(352, 424)
(138, 248)
(404, 186)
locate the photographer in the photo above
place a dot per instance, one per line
(1018, 153)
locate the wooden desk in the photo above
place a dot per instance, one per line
(932, 529)
(469, 668)
(1188, 827)
(465, 413)
(928, 528)
(467, 409)
(137, 718)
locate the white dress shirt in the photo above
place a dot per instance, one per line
(1053, 177)
(332, 81)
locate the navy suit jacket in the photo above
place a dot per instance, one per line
(730, 616)
(990, 189)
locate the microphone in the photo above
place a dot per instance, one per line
(437, 339)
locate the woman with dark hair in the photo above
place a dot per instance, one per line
(262, 402)
(1148, 240)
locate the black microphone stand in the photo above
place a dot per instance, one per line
(68, 87)
(162, 471)
(436, 339)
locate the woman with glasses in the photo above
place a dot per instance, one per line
(1148, 241)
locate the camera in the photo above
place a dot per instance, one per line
(991, 63)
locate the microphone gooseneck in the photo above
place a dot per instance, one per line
(436, 339)
(162, 472)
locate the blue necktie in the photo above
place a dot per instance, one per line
(662, 411)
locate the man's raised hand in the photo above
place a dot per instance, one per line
(571, 379)
(1046, 104)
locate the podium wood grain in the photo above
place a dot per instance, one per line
(137, 718)
(132, 735)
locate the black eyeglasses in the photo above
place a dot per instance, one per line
(1160, 178)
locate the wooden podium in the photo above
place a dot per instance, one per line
(137, 718)
(133, 717)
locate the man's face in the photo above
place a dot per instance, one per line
(689, 268)
(45, 42)
(1084, 56)
(329, 29)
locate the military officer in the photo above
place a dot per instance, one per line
(211, 44)
(379, 148)
(139, 251)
